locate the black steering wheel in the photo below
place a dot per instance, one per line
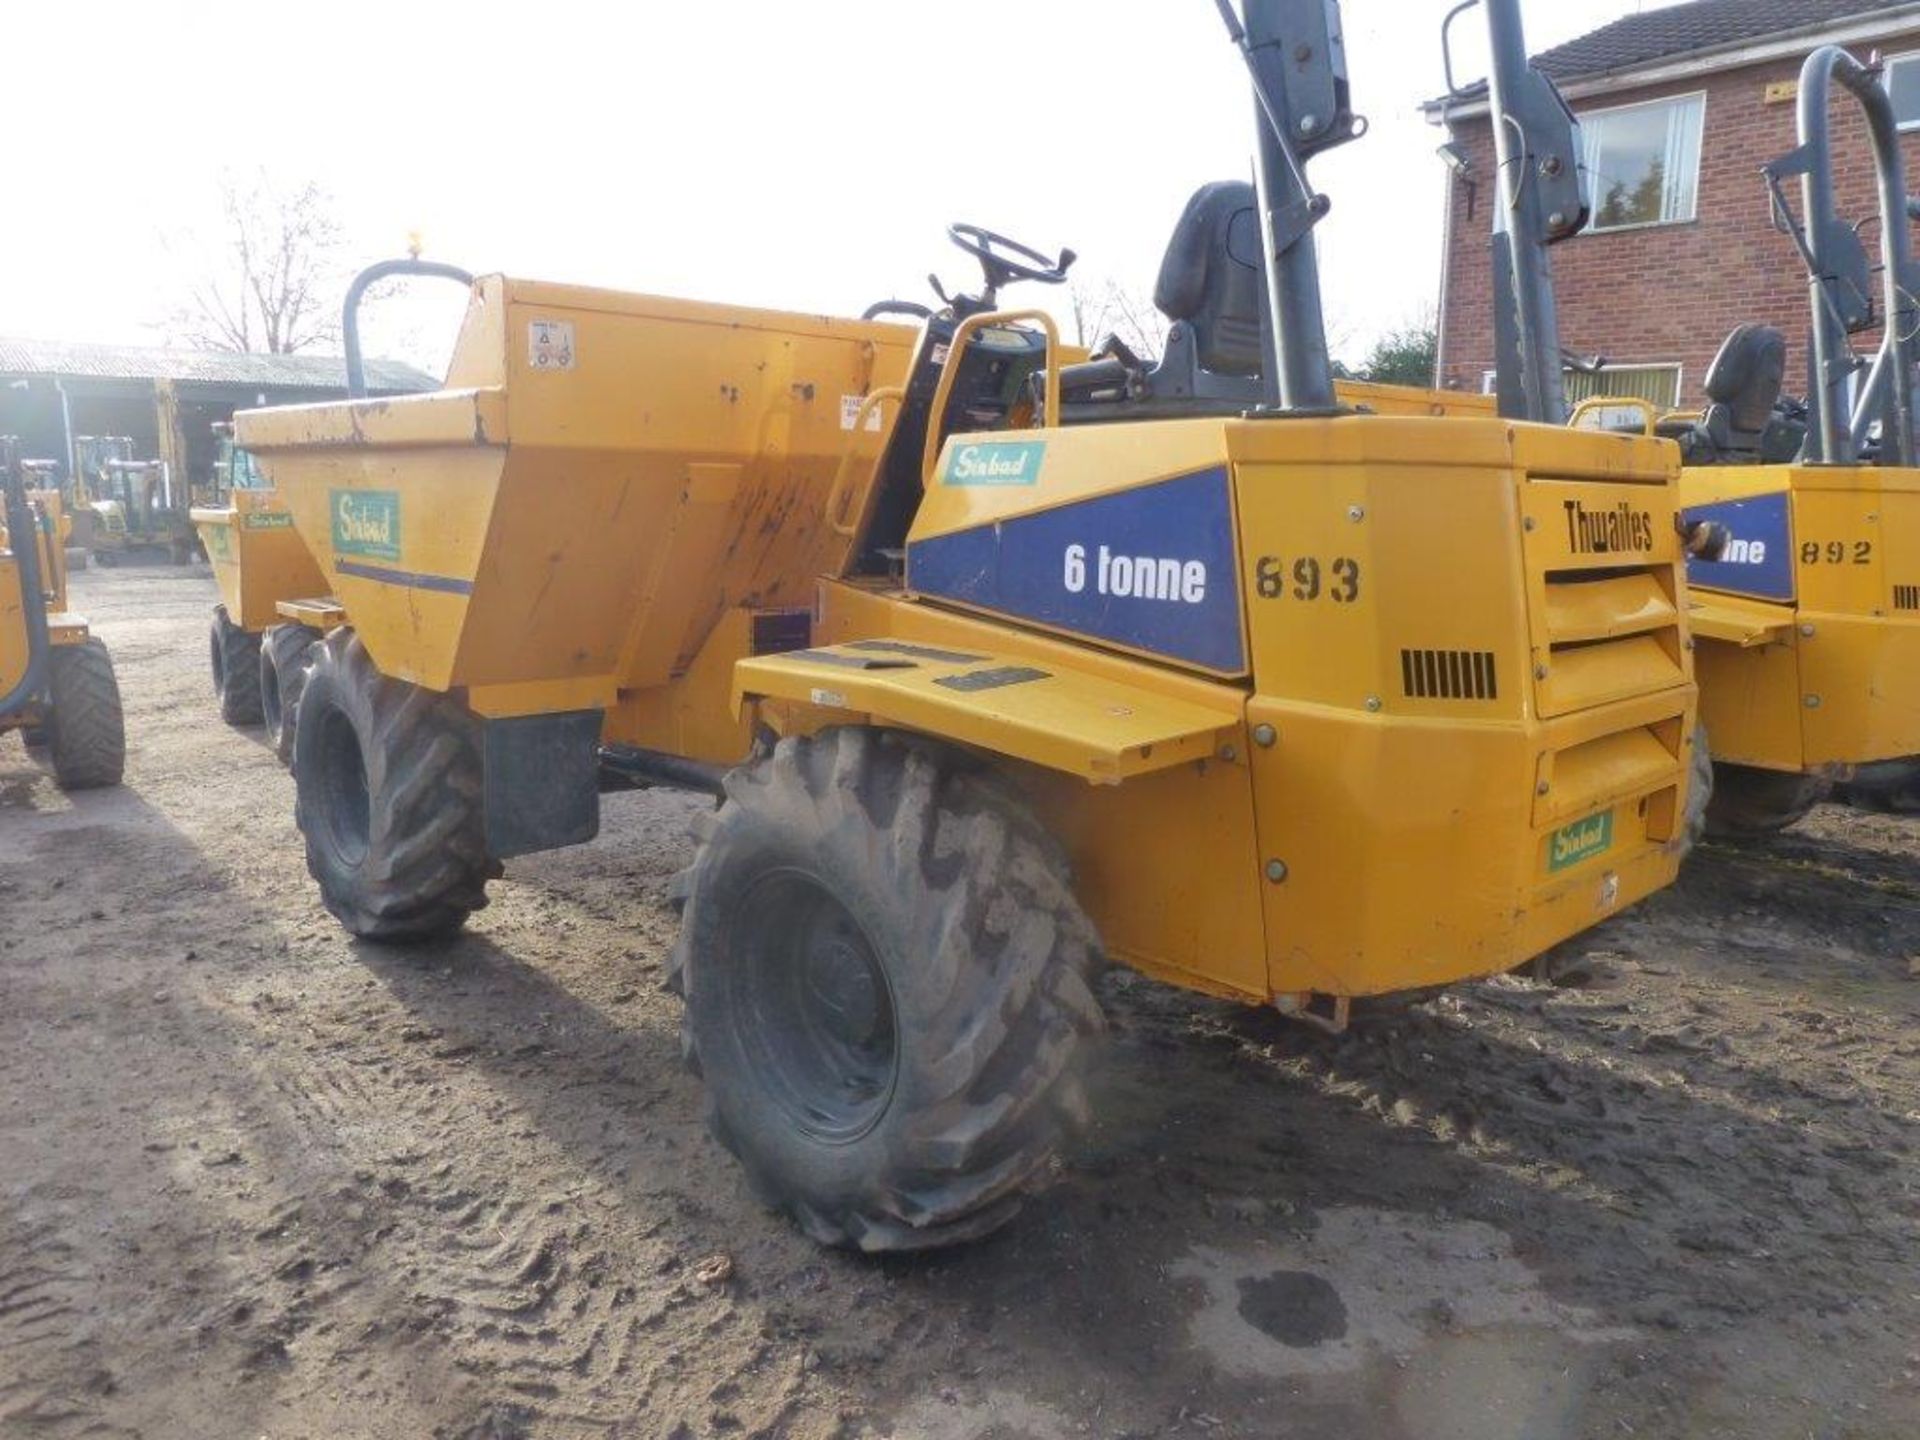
(1007, 260)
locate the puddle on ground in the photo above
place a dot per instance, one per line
(1368, 1285)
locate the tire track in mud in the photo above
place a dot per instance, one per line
(48, 1384)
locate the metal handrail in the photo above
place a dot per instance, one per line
(943, 392)
(873, 401)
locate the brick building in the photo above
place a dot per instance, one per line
(1679, 109)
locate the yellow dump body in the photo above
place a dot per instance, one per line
(63, 627)
(1381, 702)
(1809, 625)
(605, 477)
(258, 559)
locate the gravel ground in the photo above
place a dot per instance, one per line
(257, 1180)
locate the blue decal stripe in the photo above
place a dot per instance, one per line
(409, 578)
(1759, 560)
(1152, 568)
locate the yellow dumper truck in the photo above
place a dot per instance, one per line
(990, 676)
(1805, 583)
(57, 685)
(257, 656)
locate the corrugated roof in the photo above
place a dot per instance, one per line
(1678, 30)
(136, 362)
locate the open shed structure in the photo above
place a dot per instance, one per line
(166, 401)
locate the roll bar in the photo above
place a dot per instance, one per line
(1838, 267)
(350, 309)
(23, 538)
(1543, 200)
(1296, 59)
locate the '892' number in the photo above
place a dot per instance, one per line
(1837, 552)
(1307, 578)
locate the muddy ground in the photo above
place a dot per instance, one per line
(256, 1180)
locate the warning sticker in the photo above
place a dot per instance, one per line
(550, 344)
(850, 413)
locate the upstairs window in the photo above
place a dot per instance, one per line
(1643, 162)
(1903, 87)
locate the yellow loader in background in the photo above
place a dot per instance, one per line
(57, 685)
(992, 676)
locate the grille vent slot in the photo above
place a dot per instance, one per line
(1906, 597)
(1449, 674)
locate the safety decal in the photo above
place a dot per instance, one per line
(550, 344)
(850, 413)
(1151, 568)
(1758, 560)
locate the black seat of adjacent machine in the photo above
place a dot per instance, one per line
(1212, 287)
(1742, 419)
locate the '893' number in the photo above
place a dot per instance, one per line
(1837, 552)
(1307, 578)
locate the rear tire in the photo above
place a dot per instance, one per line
(388, 781)
(1749, 803)
(235, 655)
(283, 674)
(85, 726)
(886, 980)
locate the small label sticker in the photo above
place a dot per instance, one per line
(997, 462)
(850, 413)
(366, 522)
(267, 520)
(1579, 841)
(832, 699)
(550, 344)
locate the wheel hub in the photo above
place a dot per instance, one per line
(814, 1008)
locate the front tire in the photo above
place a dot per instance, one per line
(886, 980)
(235, 657)
(388, 786)
(1700, 776)
(283, 674)
(1890, 786)
(85, 728)
(1750, 803)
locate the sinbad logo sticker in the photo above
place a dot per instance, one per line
(1580, 841)
(366, 522)
(997, 462)
(268, 520)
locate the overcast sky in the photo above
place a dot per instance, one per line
(800, 154)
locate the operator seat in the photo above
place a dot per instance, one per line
(1212, 286)
(1743, 420)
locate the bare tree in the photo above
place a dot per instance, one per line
(1107, 307)
(273, 278)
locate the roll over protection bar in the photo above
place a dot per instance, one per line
(1837, 264)
(350, 309)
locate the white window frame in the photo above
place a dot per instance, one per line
(1907, 127)
(1592, 227)
(1490, 379)
(1679, 373)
